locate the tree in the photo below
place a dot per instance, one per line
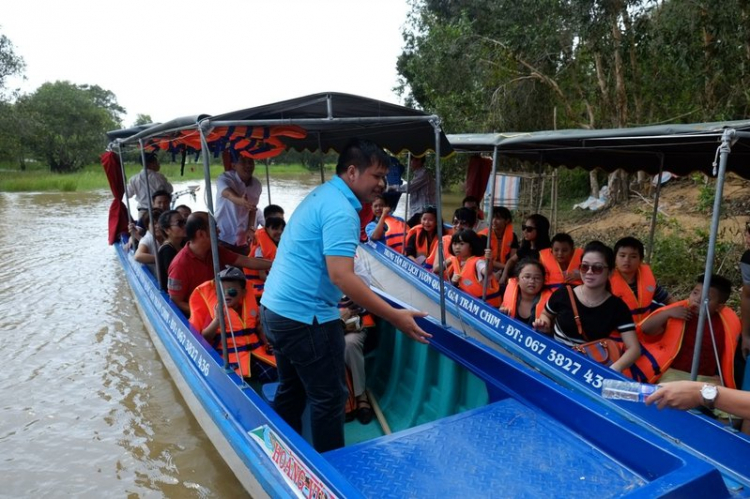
(67, 123)
(142, 119)
(10, 63)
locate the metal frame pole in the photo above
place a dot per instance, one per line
(151, 215)
(268, 186)
(724, 150)
(124, 182)
(214, 246)
(406, 206)
(488, 271)
(439, 208)
(650, 251)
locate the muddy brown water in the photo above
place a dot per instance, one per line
(86, 407)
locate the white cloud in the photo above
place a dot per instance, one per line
(177, 58)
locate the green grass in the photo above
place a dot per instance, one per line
(37, 177)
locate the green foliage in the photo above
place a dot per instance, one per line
(142, 119)
(64, 124)
(10, 63)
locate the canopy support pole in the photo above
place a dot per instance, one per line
(724, 149)
(439, 207)
(124, 182)
(656, 210)
(489, 270)
(151, 215)
(268, 185)
(214, 247)
(406, 207)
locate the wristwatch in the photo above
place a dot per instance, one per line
(709, 393)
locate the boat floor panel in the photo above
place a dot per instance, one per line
(504, 448)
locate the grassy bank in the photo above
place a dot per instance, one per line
(37, 177)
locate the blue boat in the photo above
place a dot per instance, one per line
(466, 418)
(656, 149)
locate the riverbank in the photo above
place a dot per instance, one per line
(37, 177)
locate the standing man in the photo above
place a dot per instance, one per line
(157, 182)
(314, 266)
(238, 194)
(395, 172)
(421, 190)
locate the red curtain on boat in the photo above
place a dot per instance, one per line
(477, 176)
(365, 217)
(118, 214)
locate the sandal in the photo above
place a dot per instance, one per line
(364, 411)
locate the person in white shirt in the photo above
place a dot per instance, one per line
(238, 194)
(157, 182)
(421, 190)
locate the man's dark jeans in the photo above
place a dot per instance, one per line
(310, 361)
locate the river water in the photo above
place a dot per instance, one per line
(86, 407)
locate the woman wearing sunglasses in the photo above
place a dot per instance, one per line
(600, 313)
(535, 238)
(172, 225)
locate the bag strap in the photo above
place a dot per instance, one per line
(576, 316)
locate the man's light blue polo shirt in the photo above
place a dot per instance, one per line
(324, 224)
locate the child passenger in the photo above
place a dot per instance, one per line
(562, 262)
(634, 282)
(385, 227)
(526, 295)
(264, 245)
(421, 239)
(503, 240)
(678, 324)
(467, 267)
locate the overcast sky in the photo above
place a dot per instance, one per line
(177, 58)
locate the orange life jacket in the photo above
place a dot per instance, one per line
(432, 260)
(395, 228)
(510, 298)
(469, 282)
(500, 248)
(422, 248)
(639, 305)
(263, 241)
(659, 351)
(555, 276)
(202, 311)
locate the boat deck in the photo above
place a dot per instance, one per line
(502, 448)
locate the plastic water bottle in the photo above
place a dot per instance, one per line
(631, 391)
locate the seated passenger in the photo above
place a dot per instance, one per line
(193, 265)
(472, 203)
(634, 282)
(526, 295)
(161, 199)
(463, 218)
(264, 246)
(386, 228)
(150, 242)
(172, 225)
(248, 349)
(356, 324)
(677, 324)
(503, 241)
(600, 313)
(535, 239)
(184, 210)
(562, 262)
(466, 268)
(421, 239)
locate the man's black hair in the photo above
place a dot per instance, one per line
(362, 154)
(502, 212)
(720, 283)
(563, 237)
(271, 210)
(161, 192)
(630, 242)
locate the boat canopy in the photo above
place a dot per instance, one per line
(683, 148)
(329, 120)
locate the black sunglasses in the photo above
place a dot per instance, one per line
(180, 223)
(232, 293)
(528, 228)
(595, 269)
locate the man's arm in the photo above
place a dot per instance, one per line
(232, 196)
(252, 263)
(687, 394)
(341, 272)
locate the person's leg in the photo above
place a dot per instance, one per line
(355, 359)
(290, 398)
(322, 375)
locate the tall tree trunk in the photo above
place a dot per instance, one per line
(709, 37)
(618, 182)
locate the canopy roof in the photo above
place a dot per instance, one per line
(329, 120)
(684, 148)
(478, 142)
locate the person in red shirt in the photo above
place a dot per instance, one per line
(193, 265)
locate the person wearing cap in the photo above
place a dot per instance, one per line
(156, 182)
(238, 194)
(314, 267)
(248, 351)
(193, 265)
